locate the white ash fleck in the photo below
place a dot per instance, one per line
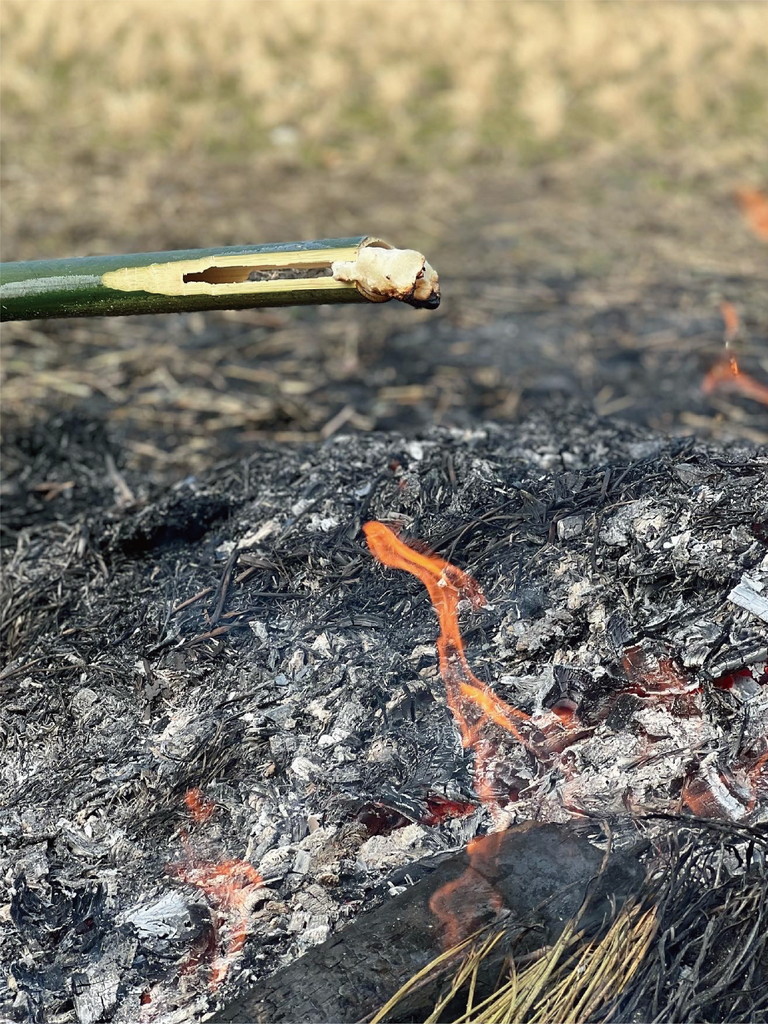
(570, 527)
(608, 767)
(305, 769)
(323, 645)
(259, 630)
(384, 853)
(579, 594)
(533, 636)
(637, 520)
(322, 524)
(276, 863)
(643, 449)
(346, 724)
(257, 535)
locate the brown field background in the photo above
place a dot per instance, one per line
(513, 142)
(120, 117)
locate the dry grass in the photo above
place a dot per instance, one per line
(390, 80)
(104, 102)
(570, 982)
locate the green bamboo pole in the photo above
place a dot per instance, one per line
(359, 269)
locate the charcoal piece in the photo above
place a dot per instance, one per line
(184, 515)
(535, 875)
(570, 683)
(169, 924)
(55, 911)
(622, 711)
(619, 631)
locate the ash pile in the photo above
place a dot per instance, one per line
(227, 726)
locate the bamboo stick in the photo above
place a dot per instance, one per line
(328, 270)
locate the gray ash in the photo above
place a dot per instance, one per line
(220, 672)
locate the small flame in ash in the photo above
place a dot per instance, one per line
(478, 712)
(473, 704)
(725, 374)
(231, 888)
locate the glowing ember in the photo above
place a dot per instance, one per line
(441, 809)
(200, 807)
(651, 673)
(713, 793)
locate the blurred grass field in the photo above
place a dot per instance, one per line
(110, 105)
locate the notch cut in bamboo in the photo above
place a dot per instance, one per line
(331, 270)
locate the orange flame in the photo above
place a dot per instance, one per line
(725, 374)
(230, 886)
(481, 714)
(731, 321)
(475, 707)
(754, 207)
(472, 703)
(463, 904)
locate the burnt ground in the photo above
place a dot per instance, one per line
(231, 634)
(546, 430)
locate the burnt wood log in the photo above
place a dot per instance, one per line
(535, 877)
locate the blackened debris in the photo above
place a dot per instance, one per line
(233, 634)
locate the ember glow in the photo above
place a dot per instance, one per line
(199, 806)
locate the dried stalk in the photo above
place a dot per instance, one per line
(571, 982)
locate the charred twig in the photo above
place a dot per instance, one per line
(223, 587)
(192, 600)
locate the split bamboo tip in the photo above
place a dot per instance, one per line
(329, 270)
